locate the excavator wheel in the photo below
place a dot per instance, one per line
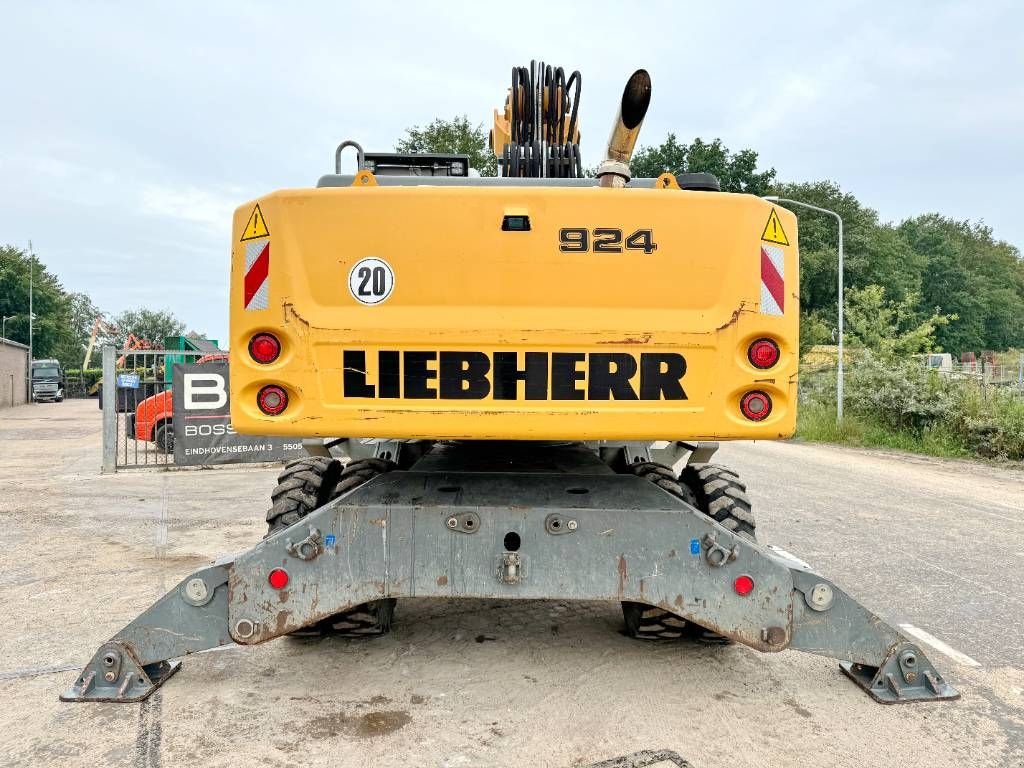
(304, 485)
(722, 496)
(371, 619)
(717, 492)
(307, 484)
(664, 477)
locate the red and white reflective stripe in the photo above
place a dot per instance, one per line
(773, 283)
(257, 274)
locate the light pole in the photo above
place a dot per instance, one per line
(839, 220)
(31, 317)
(3, 325)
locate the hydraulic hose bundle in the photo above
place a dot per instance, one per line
(543, 106)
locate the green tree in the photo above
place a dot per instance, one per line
(82, 315)
(737, 172)
(874, 253)
(455, 136)
(892, 330)
(153, 325)
(972, 275)
(814, 330)
(52, 330)
(928, 266)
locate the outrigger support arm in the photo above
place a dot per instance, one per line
(580, 537)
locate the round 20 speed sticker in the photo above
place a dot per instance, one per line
(371, 280)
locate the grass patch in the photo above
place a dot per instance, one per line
(816, 422)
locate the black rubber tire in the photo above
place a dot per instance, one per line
(303, 485)
(721, 496)
(717, 492)
(163, 437)
(307, 484)
(358, 472)
(371, 619)
(663, 477)
(648, 622)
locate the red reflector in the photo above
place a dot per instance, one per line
(264, 348)
(272, 400)
(743, 585)
(278, 578)
(756, 406)
(763, 353)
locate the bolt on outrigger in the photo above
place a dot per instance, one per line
(604, 313)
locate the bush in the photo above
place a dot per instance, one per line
(991, 421)
(89, 376)
(901, 395)
(906, 406)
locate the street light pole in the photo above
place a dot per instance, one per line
(839, 220)
(3, 326)
(31, 317)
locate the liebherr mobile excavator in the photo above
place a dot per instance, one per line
(543, 362)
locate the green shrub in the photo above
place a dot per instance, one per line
(89, 376)
(906, 406)
(901, 395)
(990, 421)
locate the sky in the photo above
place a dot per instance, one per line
(129, 132)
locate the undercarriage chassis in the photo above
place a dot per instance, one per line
(567, 528)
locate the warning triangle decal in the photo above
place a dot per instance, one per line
(773, 231)
(257, 226)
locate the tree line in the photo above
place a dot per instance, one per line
(64, 320)
(953, 276)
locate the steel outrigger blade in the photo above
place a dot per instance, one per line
(880, 660)
(139, 659)
(406, 535)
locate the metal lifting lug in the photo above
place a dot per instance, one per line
(511, 568)
(308, 548)
(715, 553)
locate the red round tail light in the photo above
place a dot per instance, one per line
(763, 353)
(278, 578)
(743, 585)
(272, 400)
(756, 406)
(264, 348)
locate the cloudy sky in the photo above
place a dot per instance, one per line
(130, 133)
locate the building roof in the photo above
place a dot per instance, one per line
(204, 345)
(13, 343)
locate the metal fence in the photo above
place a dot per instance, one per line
(817, 382)
(138, 429)
(79, 386)
(988, 374)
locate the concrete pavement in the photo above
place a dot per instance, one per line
(937, 545)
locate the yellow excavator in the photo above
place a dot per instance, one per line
(513, 387)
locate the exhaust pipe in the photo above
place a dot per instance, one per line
(636, 98)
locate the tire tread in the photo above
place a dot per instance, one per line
(307, 484)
